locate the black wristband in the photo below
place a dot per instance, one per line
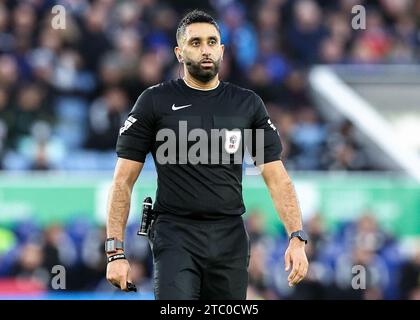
(117, 256)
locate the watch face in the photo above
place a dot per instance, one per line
(303, 235)
(110, 246)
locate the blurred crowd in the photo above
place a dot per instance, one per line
(358, 260)
(64, 93)
(30, 252)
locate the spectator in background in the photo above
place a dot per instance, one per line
(371, 268)
(258, 79)
(159, 38)
(269, 53)
(106, 116)
(6, 39)
(23, 26)
(393, 10)
(8, 73)
(405, 38)
(239, 34)
(30, 265)
(306, 32)
(273, 61)
(59, 249)
(331, 51)
(29, 124)
(94, 39)
(40, 150)
(308, 140)
(339, 26)
(365, 242)
(110, 73)
(150, 70)
(127, 17)
(368, 234)
(294, 91)
(343, 150)
(29, 108)
(40, 158)
(127, 50)
(373, 44)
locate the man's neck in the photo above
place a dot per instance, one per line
(196, 84)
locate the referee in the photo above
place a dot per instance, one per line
(200, 246)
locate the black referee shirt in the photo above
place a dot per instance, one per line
(209, 187)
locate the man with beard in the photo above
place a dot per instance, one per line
(199, 242)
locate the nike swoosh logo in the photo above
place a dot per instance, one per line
(180, 107)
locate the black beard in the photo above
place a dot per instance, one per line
(203, 75)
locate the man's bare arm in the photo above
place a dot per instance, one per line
(283, 195)
(287, 206)
(125, 175)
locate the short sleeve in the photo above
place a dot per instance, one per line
(137, 135)
(266, 145)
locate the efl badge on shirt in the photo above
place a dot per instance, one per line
(232, 140)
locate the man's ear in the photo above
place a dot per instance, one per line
(223, 50)
(178, 55)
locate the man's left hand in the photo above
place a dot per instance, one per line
(295, 256)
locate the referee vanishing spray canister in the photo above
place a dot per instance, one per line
(147, 217)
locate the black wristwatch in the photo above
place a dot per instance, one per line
(113, 244)
(300, 234)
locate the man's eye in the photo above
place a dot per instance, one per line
(195, 43)
(213, 42)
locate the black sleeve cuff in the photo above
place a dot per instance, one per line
(132, 155)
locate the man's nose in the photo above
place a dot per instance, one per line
(205, 50)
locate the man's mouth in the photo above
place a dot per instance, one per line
(207, 63)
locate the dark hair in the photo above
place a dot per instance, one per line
(195, 16)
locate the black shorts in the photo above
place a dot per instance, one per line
(196, 259)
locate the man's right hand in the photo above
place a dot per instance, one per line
(118, 273)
